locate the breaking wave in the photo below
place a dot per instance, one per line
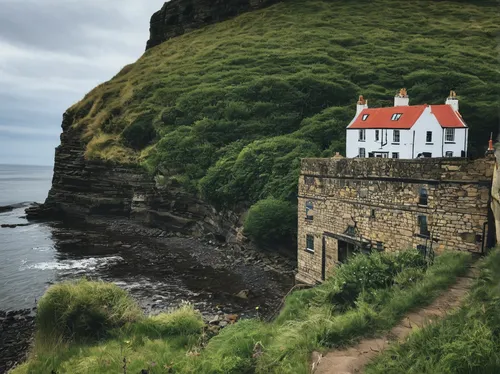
(83, 264)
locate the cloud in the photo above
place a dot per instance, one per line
(52, 52)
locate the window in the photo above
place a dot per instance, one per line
(396, 116)
(377, 135)
(395, 154)
(372, 214)
(362, 135)
(396, 136)
(351, 231)
(309, 210)
(365, 117)
(449, 135)
(424, 197)
(362, 153)
(422, 223)
(310, 243)
(309, 181)
(428, 137)
(449, 154)
(380, 246)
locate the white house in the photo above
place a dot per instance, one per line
(407, 131)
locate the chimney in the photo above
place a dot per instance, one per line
(362, 104)
(401, 98)
(452, 100)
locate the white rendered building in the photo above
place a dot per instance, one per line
(407, 131)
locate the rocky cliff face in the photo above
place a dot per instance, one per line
(82, 189)
(180, 16)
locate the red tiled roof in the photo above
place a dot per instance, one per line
(447, 117)
(381, 118)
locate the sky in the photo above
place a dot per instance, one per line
(52, 52)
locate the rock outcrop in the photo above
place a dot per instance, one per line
(177, 17)
(83, 188)
(16, 334)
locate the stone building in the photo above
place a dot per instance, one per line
(362, 205)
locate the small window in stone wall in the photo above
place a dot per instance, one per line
(310, 243)
(351, 230)
(372, 214)
(380, 246)
(424, 197)
(422, 223)
(309, 210)
(309, 181)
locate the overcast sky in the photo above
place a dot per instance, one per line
(52, 52)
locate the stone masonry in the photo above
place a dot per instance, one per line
(348, 205)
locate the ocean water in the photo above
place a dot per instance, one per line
(22, 183)
(160, 274)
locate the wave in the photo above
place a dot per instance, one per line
(91, 263)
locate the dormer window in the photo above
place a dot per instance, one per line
(396, 116)
(365, 117)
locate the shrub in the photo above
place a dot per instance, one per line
(84, 310)
(182, 322)
(271, 222)
(140, 133)
(368, 273)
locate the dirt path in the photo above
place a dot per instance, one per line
(353, 359)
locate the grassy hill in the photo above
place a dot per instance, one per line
(227, 110)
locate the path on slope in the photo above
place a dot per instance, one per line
(352, 360)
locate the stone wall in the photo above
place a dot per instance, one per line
(375, 203)
(177, 17)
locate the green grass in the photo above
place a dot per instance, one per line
(366, 296)
(83, 311)
(229, 109)
(467, 341)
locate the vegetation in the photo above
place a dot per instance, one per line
(84, 310)
(467, 341)
(364, 297)
(272, 222)
(229, 109)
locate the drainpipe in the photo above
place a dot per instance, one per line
(442, 145)
(484, 237)
(413, 146)
(465, 141)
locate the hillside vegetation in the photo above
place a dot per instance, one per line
(467, 341)
(229, 109)
(366, 296)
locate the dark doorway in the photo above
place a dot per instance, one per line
(345, 250)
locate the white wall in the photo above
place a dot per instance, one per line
(427, 122)
(370, 145)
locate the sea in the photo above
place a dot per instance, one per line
(159, 274)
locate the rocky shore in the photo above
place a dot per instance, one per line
(16, 334)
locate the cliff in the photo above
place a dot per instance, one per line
(177, 17)
(83, 188)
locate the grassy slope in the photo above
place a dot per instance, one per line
(366, 296)
(465, 342)
(245, 98)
